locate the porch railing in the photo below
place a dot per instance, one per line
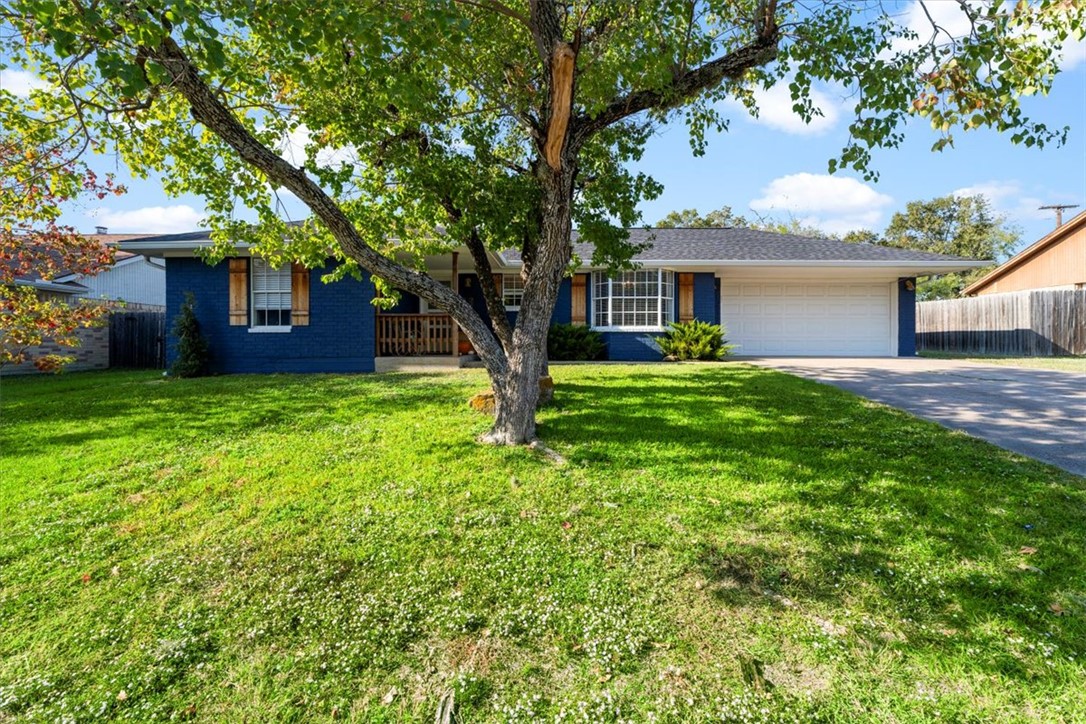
(405, 335)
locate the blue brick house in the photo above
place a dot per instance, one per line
(777, 295)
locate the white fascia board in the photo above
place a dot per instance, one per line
(116, 265)
(130, 260)
(905, 268)
(937, 267)
(53, 286)
(151, 247)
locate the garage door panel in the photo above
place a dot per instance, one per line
(795, 327)
(772, 328)
(825, 318)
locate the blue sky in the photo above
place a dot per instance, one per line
(775, 167)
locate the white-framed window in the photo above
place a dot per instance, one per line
(271, 294)
(641, 300)
(512, 291)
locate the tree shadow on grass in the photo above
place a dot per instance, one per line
(852, 487)
(144, 405)
(933, 521)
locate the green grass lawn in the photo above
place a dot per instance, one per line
(1063, 364)
(259, 548)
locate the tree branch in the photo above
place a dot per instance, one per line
(733, 65)
(209, 111)
(495, 306)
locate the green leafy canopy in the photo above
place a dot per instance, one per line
(423, 116)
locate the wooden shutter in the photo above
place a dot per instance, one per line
(299, 295)
(239, 292)
(686, 297)
(498, 283)
(579, 299)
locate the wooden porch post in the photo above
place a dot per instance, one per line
(455, 332)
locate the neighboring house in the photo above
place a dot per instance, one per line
(777, 294)
(1057, 261)
(134, 279)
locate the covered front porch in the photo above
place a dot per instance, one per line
(414, 335)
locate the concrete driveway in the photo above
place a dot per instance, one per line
(1039, 413)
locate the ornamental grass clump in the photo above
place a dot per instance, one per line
(694, 340)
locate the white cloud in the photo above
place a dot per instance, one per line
(1008, 197)
(951, 19)
(775, 110)
(948, 16)
(20, 83)
(1072, 55)
(836, 204)
(150, 219)
(293, 148)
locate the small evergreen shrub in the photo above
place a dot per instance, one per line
(694, 340)
(567, 342)
(192, 350)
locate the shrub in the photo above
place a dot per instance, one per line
(574, 342)
(192, 351)
(694, 340)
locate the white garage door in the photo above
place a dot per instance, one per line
(808, 318)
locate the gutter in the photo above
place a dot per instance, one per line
(68, 288)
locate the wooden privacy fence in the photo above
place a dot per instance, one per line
(1039, 323)
(137, 340)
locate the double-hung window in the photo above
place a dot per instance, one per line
(641, 300)
(512, 291)
(271, 295)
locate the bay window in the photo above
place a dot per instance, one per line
(641, 300)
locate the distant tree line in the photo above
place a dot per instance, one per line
(965, 226)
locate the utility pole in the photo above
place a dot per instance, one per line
(1059, 211)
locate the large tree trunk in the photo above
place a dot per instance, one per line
(516, 392)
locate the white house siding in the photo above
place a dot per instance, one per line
(136, 281)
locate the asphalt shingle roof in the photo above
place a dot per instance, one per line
(187, 236)
(735, 244)
(711, 245)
